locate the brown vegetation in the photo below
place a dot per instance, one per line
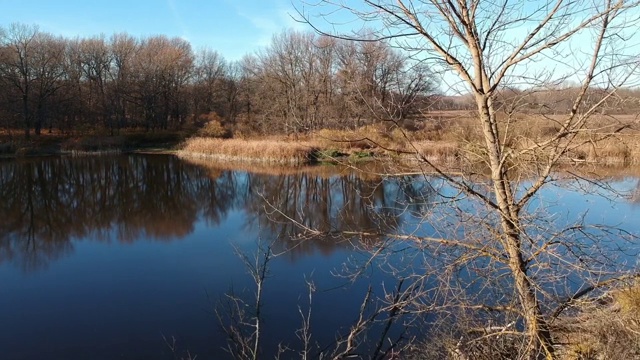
(605, 328)
(608, 328)
(250, 150)
(440, 136)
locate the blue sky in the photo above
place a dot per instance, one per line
(232, 27)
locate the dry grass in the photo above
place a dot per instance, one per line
(600, 146)
(250, 150)
(437, 150)
(440, 136)
(608, 328)
(364, 138)
(628, 300)
(386, 140)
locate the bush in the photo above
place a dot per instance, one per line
(330, 154)
(214, 129)
(212, 126)
(362, 154)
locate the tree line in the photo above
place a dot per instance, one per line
(300, 82)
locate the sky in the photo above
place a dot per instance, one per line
(232, 27)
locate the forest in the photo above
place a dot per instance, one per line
(301, 82)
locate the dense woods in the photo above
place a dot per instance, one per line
(299, 83)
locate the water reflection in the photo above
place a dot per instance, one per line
(48, 203)
(289, 206)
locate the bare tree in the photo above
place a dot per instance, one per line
(209, 79)
(122, 48)
(96, 63)
(17, 66)
(488, 46)
(241, 321)
(300, 83)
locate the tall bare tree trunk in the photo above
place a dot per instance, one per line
(537, 329)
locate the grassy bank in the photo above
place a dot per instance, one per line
(271, 151)
(442, 137)
(607, 328)
(602, 327)
(325, 145)
(353, 148)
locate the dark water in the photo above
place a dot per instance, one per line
(106, 257)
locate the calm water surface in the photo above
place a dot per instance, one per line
(105, 257)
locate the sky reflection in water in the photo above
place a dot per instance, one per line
(103, 256)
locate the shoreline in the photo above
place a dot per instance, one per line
(277, 151)
(77, 145)
(304, 152)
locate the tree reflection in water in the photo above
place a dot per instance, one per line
(47, 204)
(288, 205)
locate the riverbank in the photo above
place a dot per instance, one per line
(312, 149)
(451, 140)
(609, 152)
(444, 137)
(606, 326)
(78, 144)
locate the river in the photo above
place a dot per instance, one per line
(127, 257)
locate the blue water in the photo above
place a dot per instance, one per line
(113, 257)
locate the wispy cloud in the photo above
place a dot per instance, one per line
(270, 20)
(265, 25)
(177, 18)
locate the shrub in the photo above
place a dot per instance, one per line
(629, 300)
(214, 129)
(362, 154)
(330, 154)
